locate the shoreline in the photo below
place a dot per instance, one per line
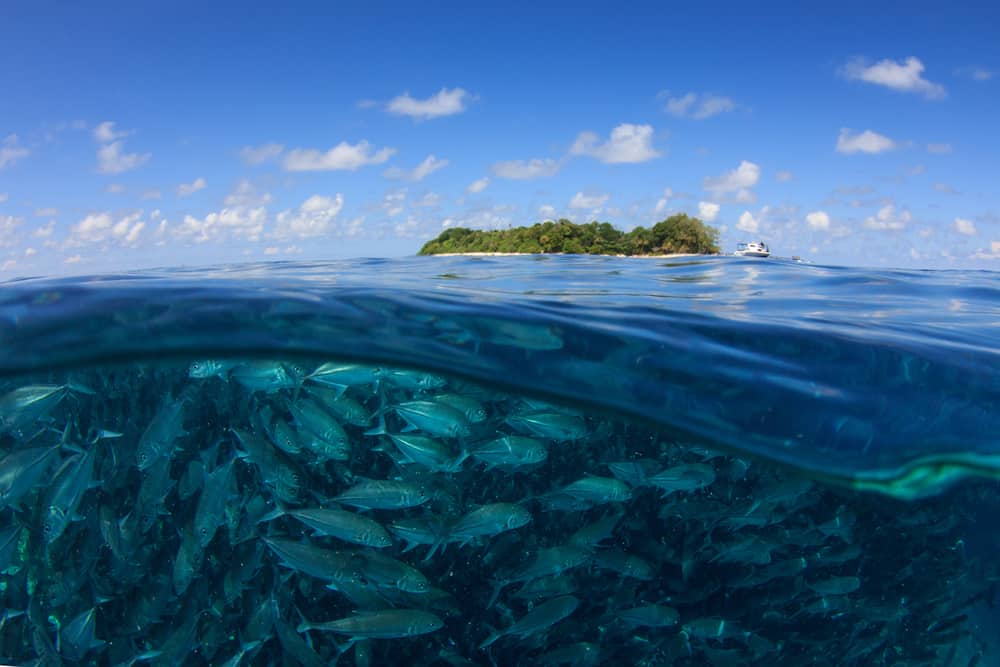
(529, 254)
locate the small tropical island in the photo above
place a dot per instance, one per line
(678, 234)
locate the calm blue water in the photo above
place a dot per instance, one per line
(880, 379)
(576, 461)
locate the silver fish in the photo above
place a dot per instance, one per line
(488, 520)
(384, 494)
(542, 617)
(385, 624)
(344, 525)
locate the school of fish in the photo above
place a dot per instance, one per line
(260, 512)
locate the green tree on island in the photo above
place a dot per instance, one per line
(677, 234)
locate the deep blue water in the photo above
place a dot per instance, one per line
(880, 379)
(719, 461)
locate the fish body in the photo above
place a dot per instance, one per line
(23, 406)
(344, 525)
(510, 451)
(267, 376)
(384, 495)
(324, 564)
(650, 616)
(685, 477)
(158, 438)
(436, 419)
(542, 617)
(489, 520)
(556, 426)
(341, 406)
(427, 452)
(329, 440)
(211, 506)
(468, 406)
(61, 500)
(385, 624)
(21, 470)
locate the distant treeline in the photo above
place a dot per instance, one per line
(677, 234)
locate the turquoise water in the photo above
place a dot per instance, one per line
(743, 462)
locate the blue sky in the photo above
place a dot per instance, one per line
(136, 135)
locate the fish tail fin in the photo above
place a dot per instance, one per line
(498, 586)
(494, 635)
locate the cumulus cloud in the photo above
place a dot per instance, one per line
(418, 173)
(10, 152)
(708, 211)
(106, 133)
(313, 218)
(186, 189)
(662, 202)
(818, 220)
(581, 200)
(343, 156)
(111, 159)
(8, 230)
(864, 142)
(447, 102)
(522, 170)
(736, 183)
(236, 222)
(699, 105)
(887, 219)
(245, 194)
(254, 155)
(478, 185)
(975, 72)
(547, 210)
(906, 76)
(966, 227)
(628, 144)
(992, 253)
(102, 227)
(748, 223)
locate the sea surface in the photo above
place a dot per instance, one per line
(534, 460)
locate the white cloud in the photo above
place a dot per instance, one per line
(888, 220)
(818, 220)
(106, 133)
(748, 223)
(784, 176)
(864, 142)
(975, 73)
(101, 227)
(343, 156)
(312, 218)
(8, 230)
(699, 106)
(445, 103)
(737, 182)
(150, 194)
(547, 210)
(628, 143)
(906, 76)
(186, 189)
(418, 173)
(45, 231)
(939, 148)
(581, 200)
(111, 159)
(521, 170)
(10, 152)
(993, 253)
(944, 188)
(238, 222)
(75, 259)
(4, 197)
(30, 252)
(478, 186)
(661, 203)
(394, 202)
(708, 211)
(966, 227)
(46, 212)
(428, 200)
(245, 194)
(272, 250)
(254, 155)
(114, 188)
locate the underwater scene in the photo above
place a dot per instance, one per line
(500, 461)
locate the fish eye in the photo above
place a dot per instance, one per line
(203, 530)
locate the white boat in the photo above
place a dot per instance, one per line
(752, 249)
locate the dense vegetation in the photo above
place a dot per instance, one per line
(677, 234)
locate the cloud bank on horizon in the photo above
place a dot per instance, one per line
(272, 143)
